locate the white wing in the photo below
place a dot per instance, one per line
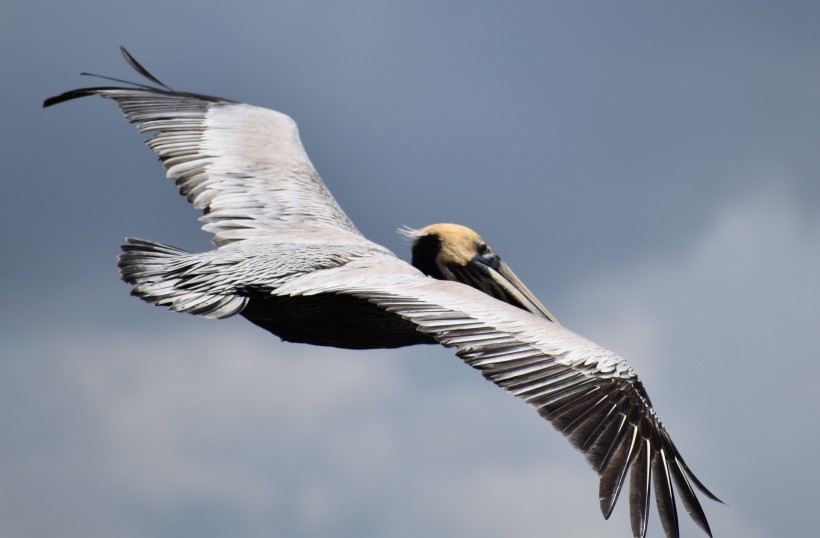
(243, 166)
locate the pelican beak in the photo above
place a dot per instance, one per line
(494, 277)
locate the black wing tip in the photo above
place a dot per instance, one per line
(84, 92)
(703, 489)
(138, 67)
(127, 55)
(678, 472)
(706, 492)
(159, 88)
(687, 472)
(66, 96)
(663, 471)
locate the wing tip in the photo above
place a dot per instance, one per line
(84, 92)
(138, 67)
(67, 96)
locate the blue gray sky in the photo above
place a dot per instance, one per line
(650, 170)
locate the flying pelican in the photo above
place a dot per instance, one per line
(291, 261)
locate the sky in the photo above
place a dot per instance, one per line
(650, 170)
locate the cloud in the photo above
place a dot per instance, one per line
(216, 428)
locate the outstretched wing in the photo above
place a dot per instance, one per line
(589, 394)
(243, 166)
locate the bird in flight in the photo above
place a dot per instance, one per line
(289, 260)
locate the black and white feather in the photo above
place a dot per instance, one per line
(291, 261)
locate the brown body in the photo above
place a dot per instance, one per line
(333, 320)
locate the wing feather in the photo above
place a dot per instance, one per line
(589, 394)
(688, 496)
(614, 473)
(639, 478)
(664, 495)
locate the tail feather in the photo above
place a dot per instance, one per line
(160, 275)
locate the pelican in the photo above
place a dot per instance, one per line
(290, 260)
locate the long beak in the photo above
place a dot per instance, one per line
(502, 284)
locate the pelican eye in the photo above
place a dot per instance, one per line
(485, 255)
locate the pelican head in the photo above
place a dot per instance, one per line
(455, 252)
